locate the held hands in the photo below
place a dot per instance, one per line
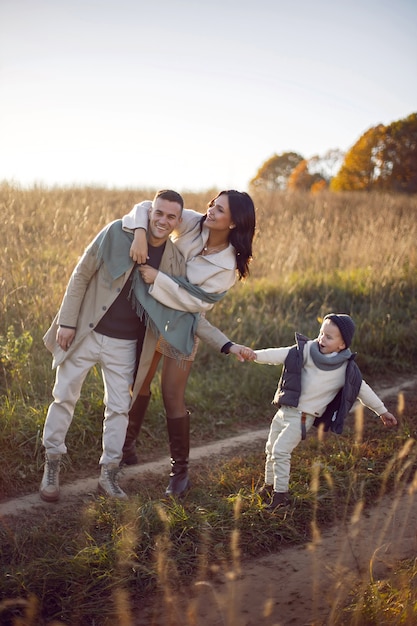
(388, 420)
(148, 273)
(242, 353)
(139, 248)
(65, 337)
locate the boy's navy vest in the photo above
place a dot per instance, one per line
(289, 388)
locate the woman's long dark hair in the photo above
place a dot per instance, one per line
(242, 211)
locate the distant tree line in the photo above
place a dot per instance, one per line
(383, 159)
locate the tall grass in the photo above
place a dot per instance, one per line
(351, 253)
(82, 561)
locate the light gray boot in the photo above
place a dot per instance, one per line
(49, 489)
(108, 484)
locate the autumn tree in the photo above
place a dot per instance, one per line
(315, 173)
(301, 179)
(398, 157)
(384, 158)
(358, 169)
(274, 173)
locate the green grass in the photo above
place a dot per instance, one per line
(74, 560)
(385, 602)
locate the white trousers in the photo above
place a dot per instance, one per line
(117, 358)
(284, 436)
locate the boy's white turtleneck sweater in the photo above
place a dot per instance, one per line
(319, 387)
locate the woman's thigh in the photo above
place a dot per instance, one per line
(174, 382)
(145, 390)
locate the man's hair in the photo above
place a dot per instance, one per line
(170, 195)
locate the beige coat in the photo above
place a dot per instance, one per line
(91, 291)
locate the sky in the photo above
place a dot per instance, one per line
(194, 95)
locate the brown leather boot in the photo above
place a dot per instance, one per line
(136, 417)
(179, 443)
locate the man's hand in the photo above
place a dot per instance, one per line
(388, 419)
(139, 248)
(65, 337)
(148, 273)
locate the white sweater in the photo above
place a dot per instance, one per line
(319, 387)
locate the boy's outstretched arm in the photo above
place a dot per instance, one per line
(388, 419)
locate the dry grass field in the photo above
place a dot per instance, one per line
(313, 254)
(368, 237)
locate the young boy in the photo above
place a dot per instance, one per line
(319, 383)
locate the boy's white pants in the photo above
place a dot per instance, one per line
(284, 436)
(117, 358)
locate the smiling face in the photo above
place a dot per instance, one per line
(330, 338)
(219, 217)
(164, 218)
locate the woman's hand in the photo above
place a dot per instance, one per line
(242, 353)
(139, 247)
(148, 273)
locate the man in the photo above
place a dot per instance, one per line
(97, 324)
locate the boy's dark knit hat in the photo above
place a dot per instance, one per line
(345, 324)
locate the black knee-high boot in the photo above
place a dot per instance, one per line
(136, 417)
(179, 444)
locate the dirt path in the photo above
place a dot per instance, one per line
(71, 491)
(305, 585)
(297, 586)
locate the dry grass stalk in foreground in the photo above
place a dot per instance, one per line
(131, 550)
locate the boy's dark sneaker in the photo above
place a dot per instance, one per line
(280, 500)
(265, 492)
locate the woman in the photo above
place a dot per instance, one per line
(217, 248)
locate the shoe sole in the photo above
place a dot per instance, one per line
(49, 498)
